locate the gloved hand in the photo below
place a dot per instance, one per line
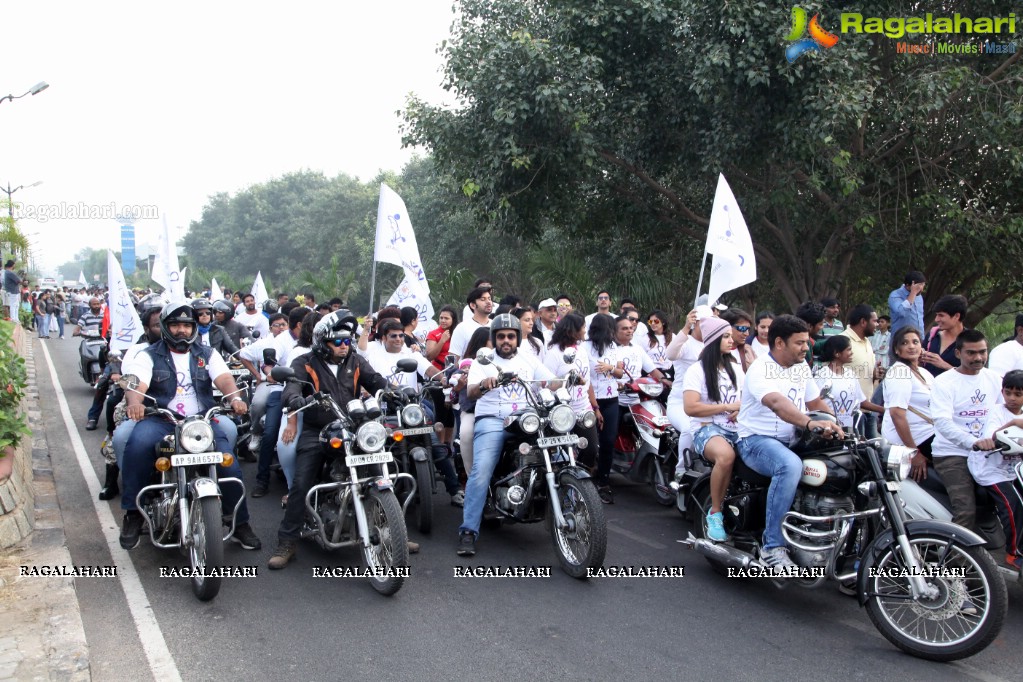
(298, 402)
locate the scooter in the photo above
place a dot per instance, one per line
(91, 356)
(646, 449)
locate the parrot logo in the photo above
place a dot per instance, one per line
(818, 41)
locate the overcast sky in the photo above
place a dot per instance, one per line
(162, 105)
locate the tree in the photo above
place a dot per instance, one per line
(851, 165)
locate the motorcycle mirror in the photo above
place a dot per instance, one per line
(255, 334)
(407, 365)
(449, 360)
(569, 356)
(270, 356)
(282, 374)
(484, 356)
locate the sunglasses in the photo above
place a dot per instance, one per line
(744, 328)
(653, 320)
(603, 298)
(395, 336)
(506, 337)
(632, 319)
(341, 342)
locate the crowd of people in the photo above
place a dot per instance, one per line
(737, 385)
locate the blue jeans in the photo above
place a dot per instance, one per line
(442, 457)
(487, 441)
(271, 426)
(769, 457)
(140, 454)
(60, 322)
(287, 453)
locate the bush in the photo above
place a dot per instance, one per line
(13, 381)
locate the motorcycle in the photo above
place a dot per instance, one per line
(928, 586)
(245, 382)
(182, 506)
(411, 432)
(356, 506)
(646, 449)
(91, 355)
(537, 478)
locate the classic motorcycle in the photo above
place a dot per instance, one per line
(537, 478)
(355, 505)
(182, 506)
(928, 586)
(646, 449)
(91, 355)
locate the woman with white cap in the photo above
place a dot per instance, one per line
(711, 393)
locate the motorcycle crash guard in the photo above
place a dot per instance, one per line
(204, 487)
(914, 528)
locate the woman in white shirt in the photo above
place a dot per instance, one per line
(907, 394)
(845, 392)
(569, 333)
(531, 346)
(711, 390)
(763, 324)
(656, 341)
(605, 371)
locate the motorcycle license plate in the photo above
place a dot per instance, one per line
(418, 431)
(554, 441)
(200, 458)
(661, 421)
(375, 458)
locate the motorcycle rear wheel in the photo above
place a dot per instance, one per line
(206, 551)
(424, 497)
(938, 629)
(389, 540)
(585, 545)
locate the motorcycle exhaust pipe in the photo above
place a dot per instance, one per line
(725, 554)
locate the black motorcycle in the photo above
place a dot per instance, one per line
(92, 352)
(928, 586)
(537, 478)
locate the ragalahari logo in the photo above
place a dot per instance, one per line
(818, 41)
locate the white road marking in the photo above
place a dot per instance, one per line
(161, 663)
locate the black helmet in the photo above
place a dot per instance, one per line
(224, 307)
(270, 306)
(178, 312)
(340, 324)
(149, 301)
(505, 321)
(202, 304)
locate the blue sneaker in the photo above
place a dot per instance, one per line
(716, 527)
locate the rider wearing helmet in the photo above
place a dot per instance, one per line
(178, 374)
(494, 403)
(333, 368)
(210, 333)
(223, 314)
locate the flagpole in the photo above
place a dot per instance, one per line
(373, 284)
(699, 282)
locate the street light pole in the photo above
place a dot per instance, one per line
(34, 90)
(8, 191)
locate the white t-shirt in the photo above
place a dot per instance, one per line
(1006, 357)
(526, 348)
(386, 364)
(285, 343)
(695, 380)
(589, 318)
(904, 389)
(656, 350)
(504, 400)
(605, 384)
(255, 322)
(688, 357)
(757, 347)
(846, 393)
(960, 404)
(463, 332)
(131, 356)
(554, 360)
(989, 468)
(185, 402)
(635, 359)
(766, 376)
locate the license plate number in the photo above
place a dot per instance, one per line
(375, 458)
(554, 441)
(200, 458)
(418, 431)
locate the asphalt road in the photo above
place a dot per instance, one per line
(289, 625)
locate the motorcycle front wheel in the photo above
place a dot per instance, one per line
(961, 620)
(206, 548)
(583, 544)
(424, 497)
(388, 537)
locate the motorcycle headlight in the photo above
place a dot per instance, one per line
(412, 415)
(561, 419)
(589, 419)
(529, 422)
(652, 390)
(371, 437)
(196, 436)
(898, 460)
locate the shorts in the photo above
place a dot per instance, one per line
(705, 433)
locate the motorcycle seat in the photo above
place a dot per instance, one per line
(752, 477)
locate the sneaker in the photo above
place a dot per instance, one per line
(1014, 561)
(131, 529)
(90, 425)
(260, 489)
(716, 527)
(466, 543)
(777, 557)
(458, 499)
(245, 537)
(284, 553)
(413, 547)
(61, 337)
(606, 496)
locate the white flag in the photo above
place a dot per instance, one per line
(729, 241)
(409, 293)
(125, 325)
(395, 239)
(81, 278)
(216, 293)
(259, 289)
(165, 268)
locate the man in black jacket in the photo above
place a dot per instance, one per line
(210, 334)
(333, 369)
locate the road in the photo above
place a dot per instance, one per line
(290, 625)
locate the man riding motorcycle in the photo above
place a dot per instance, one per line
(223, 314)
(178, 374)
(211, 334)
(331, 368)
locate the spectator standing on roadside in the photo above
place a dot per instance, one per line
(832, 325)
(763, 324)
(11, 290)
(1008, 356)
(906, 304)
